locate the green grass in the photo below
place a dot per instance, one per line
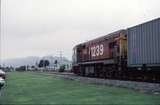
(32, 88)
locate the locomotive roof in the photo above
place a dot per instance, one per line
(103, 37)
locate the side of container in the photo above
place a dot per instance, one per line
(144, 44)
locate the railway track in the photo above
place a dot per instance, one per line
(139, 86)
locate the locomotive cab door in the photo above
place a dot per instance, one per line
(114, 49)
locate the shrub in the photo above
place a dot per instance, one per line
(62, 68)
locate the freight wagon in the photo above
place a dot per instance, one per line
(132, 54)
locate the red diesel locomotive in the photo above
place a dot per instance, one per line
(112, 56)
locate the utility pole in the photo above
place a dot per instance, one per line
(60, 56)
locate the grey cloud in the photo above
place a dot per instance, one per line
(41, 27)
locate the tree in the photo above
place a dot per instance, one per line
(43, 63)
(62, 68)
(55, 62)
(46, 63)
(21, 68)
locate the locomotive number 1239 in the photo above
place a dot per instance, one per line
(97, 50)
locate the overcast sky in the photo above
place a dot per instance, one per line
(46, 27)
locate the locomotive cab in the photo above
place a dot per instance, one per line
(75, 60)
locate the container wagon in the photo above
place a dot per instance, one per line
(132, 54)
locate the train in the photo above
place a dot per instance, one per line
(127, 54)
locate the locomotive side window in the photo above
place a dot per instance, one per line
(112, 44)
(113, 49)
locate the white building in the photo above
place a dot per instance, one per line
(56, 62)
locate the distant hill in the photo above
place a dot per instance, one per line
(16, 62)
(33, 60)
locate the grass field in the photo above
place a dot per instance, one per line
(32, 88)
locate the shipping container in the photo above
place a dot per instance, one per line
(144, 44)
